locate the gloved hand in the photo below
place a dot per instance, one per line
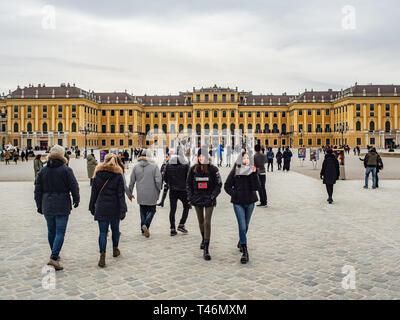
(39, 210)
(76, 205)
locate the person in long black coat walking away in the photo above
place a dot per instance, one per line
(287, 158)
(330, 172)
(203, 186)
(107, 203)
(242, 184)
(53, 186)
(279, 159)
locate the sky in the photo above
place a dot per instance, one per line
(167, 46)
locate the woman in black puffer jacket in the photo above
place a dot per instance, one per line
(242, 184)
(107, 203)
(203, 186)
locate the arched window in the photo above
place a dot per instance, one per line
(44, 127)
(358, 126)
(387, 126)
(16, 127)
(198, 129)
(164, 128)
(173, 130)
(372, 126)
(181, 128)
(233, 128)
(258, 128)
(215, 126)
(241, 128)
(224, 128)
(189, 128)
(156, 128)
(73, 127)
(275, 128)
(266, 128)
(147, 128)
(29, 127)
(206, 128)
(284, 128)
(60, 127)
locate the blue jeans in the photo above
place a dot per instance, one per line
(146, 215)
(56, 227)
(243, 215)
(367, 172)
(103, 228)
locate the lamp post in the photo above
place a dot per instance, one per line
(85, 130)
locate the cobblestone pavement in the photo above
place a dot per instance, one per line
(298, 247)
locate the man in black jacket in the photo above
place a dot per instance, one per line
(53, 186)
(175, 175)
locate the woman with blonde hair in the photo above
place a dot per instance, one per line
(107, 203)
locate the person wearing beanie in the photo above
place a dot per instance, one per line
(107, 203)
(147, 177)
(53, 186)
(203, 185)
(330, 172)
(242, 184)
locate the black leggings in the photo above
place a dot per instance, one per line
(329, 189)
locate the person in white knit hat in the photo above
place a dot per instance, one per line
(54, 186)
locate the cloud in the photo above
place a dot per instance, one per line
(162, 47)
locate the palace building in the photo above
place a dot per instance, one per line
(41, 115)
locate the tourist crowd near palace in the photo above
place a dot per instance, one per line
(67, 115)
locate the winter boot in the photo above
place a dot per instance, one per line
(56, 264)
(206, 254)
(239, 246)
(245, 255)
(116, 252)
(202, 241)
(173, 232)
(102, 261)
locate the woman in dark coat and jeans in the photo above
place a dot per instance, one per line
(54, 185)
(107, 203)
(330, 172)
(242, 184)
(203, 185)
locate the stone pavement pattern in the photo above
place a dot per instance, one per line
(298, 246)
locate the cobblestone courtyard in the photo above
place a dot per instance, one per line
(298, 247)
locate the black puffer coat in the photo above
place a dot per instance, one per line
(175, 175)
(242, 188)
(330, 169)
(53, 186)
(203, 188)
(110, 203)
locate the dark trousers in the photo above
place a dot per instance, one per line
(329, 189)
(174, 196)
(279, 165)
(263, 192)
(165, 192)
(377, 178)
(270, 163)
(146, 215)
(286, 165)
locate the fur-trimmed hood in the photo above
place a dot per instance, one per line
(54, 156)
(144, 158)
(108, 166)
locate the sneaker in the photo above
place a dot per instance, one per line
(181, 228)
(116, 252)
(145, 231)
(55, 264)
(262, 205)
(173, 232)
(365, 187)
(373, 187)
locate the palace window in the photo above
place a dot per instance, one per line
(249, 114)
(121, 142)
(44, 127)
(371, 126)
(371, 107)
(112, 142)
(387, 126)
(232, 114)
(180, 114)
(206, 114)
(130, 113)
(73, 108)
(300, 112)
(121, 113)
(103, 113)
(112, 113)
(197, 97)
(224, 98)
(215, 98)
(309, 127)
(232, 97)
(215, 114)
(318, 112)
(198, 114)
(121, 128)
(189, 114)
(112, 128)
(387, 107)
(60, 127)
(59, 108)
(309, 142)
(358, 114)
(309, 112)
(327, 112)
(266, 114)
(29, 108)
(15, 108)
(358, 107)
(147, 115)
(283, 114)
(73, 127)
(241, 114)
(371, 114)
(44, 108)
(103, 128)
(206, 97)
(387, 114)
(224, 114)
(29, 127)
(172, 114)
(164, 114)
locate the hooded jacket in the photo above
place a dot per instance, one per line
(53, 186)
(109, 204)
(148, 178)
(330, 169)
(175, 174)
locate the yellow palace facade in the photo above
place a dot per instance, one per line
(42, 116)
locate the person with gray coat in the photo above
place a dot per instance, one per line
(147, 177)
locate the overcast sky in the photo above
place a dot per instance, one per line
(167, 46)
